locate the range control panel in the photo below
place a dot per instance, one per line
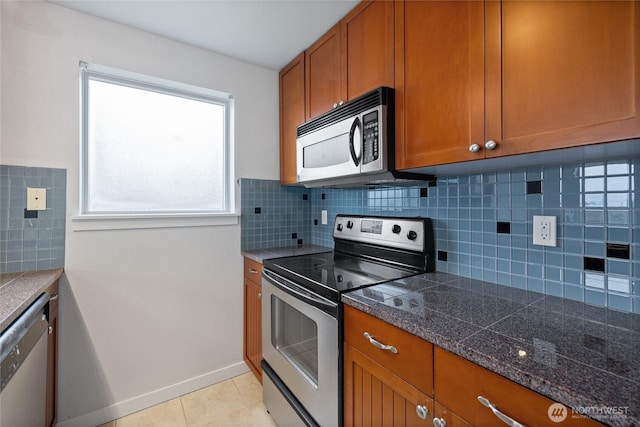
(392, 232)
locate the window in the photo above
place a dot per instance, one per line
(152, 147)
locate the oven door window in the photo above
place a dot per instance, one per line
(295, 336)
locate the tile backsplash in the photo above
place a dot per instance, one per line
(483, 225)
(273, 216)
(28, 243)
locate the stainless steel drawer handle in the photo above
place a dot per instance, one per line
(53, 297)
(253, 271)
(422, 411)
(502, 417)
(381, 346)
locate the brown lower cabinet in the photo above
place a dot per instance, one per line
(420, 384)
(377, 396)
(253, 316)
(383, 387)
(459, 382)
(52, 356)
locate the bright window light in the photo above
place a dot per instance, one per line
(153, 147)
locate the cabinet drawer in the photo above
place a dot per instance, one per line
(252, 270)
(458, 383)
(413, 361)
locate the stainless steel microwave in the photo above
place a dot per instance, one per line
(351, 145)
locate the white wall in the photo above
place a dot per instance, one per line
(145, 315)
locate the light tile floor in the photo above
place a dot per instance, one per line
(236, 402)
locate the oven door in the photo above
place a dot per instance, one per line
(300, 344)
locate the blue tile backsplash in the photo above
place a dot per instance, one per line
(273, 216)
(31, 243)
(483, 225)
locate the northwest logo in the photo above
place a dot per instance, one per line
(557, 412)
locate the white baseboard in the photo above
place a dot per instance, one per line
(135, 404)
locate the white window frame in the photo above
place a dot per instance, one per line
(85, 221)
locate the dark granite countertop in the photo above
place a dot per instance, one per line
(259, 255)
(573, 353)
(19, 290)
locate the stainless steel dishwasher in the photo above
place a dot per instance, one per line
(23, 367)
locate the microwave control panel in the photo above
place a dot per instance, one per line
(370, 139)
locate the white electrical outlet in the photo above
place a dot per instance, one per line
(324, 217)
(544, 230)
(36, 199)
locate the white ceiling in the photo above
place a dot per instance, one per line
(264, 32)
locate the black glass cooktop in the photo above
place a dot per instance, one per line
(332, 273)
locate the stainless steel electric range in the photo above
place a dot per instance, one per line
(302, 314)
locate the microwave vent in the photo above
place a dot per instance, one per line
(382, 95)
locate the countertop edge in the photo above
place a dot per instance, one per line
(21, 290)
(259, 255)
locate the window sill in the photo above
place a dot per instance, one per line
(132, 222)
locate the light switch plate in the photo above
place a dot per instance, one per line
(324, 217)
(36, 199)
(545, 230)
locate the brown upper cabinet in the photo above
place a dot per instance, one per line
(352, 58)
(476, 80)
(291, 115)
(322, 73)
(439, 81)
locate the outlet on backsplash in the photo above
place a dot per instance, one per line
(544, 230)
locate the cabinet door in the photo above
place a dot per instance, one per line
(291, 115)
(253, 327)
(367, 46)
(52, 357)
(374, 396)
(439, 82)
(561, 74)
(323, 73)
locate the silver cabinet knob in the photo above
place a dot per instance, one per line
(474, 148)
(490, 144)
(50, 330)
(335, 105)
(439, 422)
(422, 411)
(341, 102)
(260, 295)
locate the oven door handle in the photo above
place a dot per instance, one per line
(300, 293)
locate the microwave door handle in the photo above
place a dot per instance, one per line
(352, 136)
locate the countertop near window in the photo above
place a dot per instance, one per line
(573, 353)
(259, 255)
(19, 290)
